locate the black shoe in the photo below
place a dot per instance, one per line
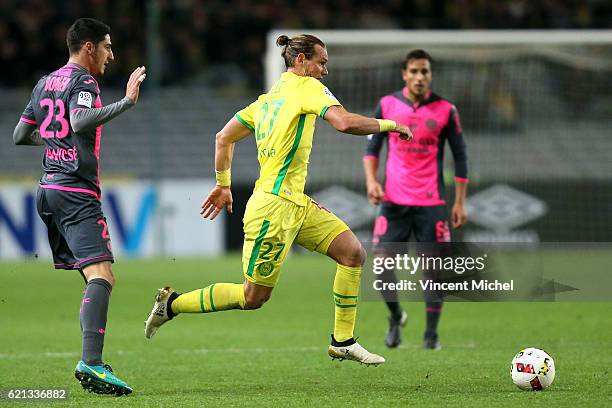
(431, 342)
(393, 338)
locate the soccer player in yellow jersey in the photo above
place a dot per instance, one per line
(279, 213)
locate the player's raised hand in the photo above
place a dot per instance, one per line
(375, 192)
(404, 131)
(133, 86)
(218, 198)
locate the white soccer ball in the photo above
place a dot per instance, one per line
(532, 369)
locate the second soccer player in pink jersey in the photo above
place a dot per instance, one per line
(413, 200)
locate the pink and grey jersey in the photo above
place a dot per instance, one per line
(71, 159)
(414, 174)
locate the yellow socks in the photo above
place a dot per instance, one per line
(226, 296)
(346, 290)
(213, 298)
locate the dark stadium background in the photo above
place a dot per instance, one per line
(208, 39)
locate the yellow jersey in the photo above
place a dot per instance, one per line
(283, 121)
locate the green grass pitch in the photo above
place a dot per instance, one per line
(276, 356)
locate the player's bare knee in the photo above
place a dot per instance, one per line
(110, 277)
(347, 250)
(255, 300)
(364, 255)
(254, 305)
(355, 255)
(100, 270)
(256, 295)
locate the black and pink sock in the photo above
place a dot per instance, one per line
(432, 313)
(94, 309)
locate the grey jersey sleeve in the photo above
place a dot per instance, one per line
(84, 119)
(27, 134)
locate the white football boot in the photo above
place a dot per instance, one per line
(159, 313)
(354, 352)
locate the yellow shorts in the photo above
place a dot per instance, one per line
(272, 224)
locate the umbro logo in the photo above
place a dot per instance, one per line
(503, 208)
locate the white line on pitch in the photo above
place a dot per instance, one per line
(65, 354)
(303, 349)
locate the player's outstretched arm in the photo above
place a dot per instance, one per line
(89, 118)
(221, 196)
(355, 124)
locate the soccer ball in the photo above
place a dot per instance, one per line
(532, 369)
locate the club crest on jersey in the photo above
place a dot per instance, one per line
(265, 269)
(431, 124)
(85, 99)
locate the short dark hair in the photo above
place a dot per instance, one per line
(417, 54)
(83, 30)
(304, 44)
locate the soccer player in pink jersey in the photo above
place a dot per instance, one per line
(65, 115)
(413, 199)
